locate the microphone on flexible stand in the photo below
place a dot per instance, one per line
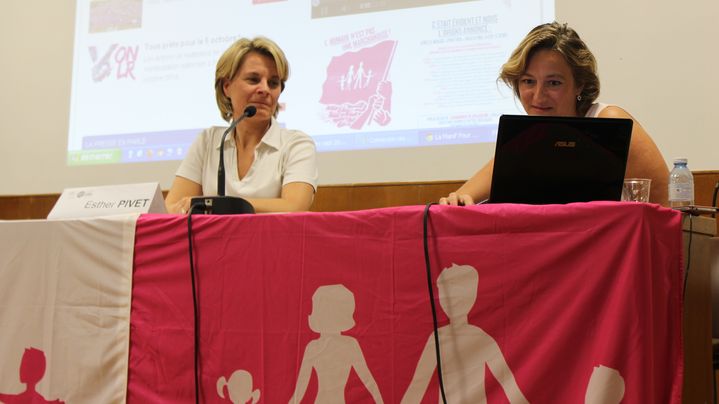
(221, 204)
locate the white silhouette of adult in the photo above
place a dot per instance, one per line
(349, 77)
(359, 77)
(238, 387)
(333, 355)
(465, 349)
(606, 386)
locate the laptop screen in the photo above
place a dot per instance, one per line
(544, 160)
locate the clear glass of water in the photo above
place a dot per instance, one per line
(636, 189)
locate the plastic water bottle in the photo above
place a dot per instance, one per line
(681, 184)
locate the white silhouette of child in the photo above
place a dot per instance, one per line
(239, 387)
(333, 355)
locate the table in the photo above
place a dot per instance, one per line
(537, 303)
(534, 303)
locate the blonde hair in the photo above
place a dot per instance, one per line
(230, 62)
(566, 41)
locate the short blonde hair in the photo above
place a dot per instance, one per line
(231, 61)
(566, 41)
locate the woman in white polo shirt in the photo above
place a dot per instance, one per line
(273, 168)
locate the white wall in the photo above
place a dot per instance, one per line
(656, 58)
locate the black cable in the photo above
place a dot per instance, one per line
(431, 301)
(689, 252)
(714, 198)
(195, 317)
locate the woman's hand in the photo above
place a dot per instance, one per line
(295, 197)
(457, 199)
(181, 207)
(476, 188)
(179, 198)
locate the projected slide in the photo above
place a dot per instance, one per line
(364, 74)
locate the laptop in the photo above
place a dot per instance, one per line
(555, 160)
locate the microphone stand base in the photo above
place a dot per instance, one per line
(220, 205)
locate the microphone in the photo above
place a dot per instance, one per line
(221, 204)
(250, 111)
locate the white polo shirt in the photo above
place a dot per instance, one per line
(595, 109)
(282, 156)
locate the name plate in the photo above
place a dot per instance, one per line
(108, 200)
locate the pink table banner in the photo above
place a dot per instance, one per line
(542, 304)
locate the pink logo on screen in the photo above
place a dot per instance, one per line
(32, 369)
(356, 90)
(118, 59)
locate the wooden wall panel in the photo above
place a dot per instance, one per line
(704, 183)
(26, 206)
(336, 198)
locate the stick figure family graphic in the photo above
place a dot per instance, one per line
(467, 352)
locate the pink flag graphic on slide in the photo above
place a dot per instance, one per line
(356, 90)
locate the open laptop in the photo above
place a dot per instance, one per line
(545, 160)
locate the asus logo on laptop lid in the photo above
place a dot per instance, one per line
(543, 160)
(563, 143)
